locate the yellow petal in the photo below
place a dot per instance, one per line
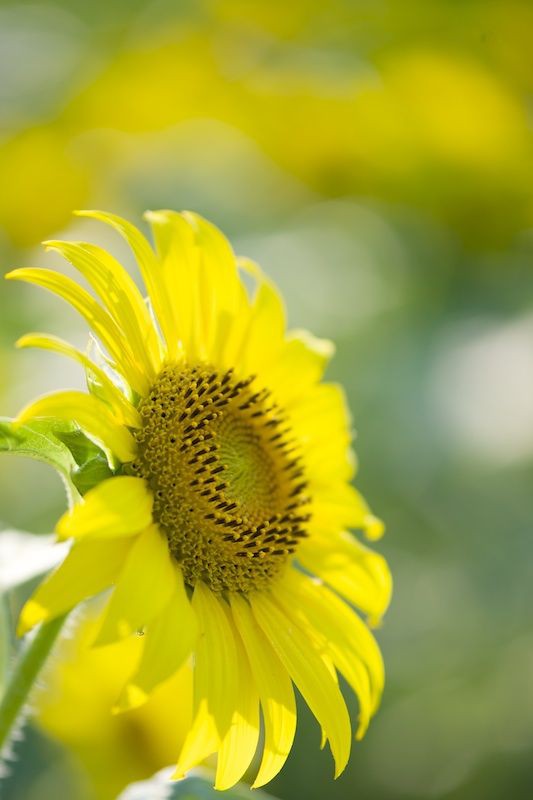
(121, 297)
(200, 274)
(267, 325)
(122, 408)
(91, 414)
(150, 270)
(239, 744)
(143, 590)
(219, 258)
(353, 570)
(119, 506)
(168, 641)
(217, 275)
(340, 506)
(296, 650)
(333, 617)
(339, 637)
(233, 332)
(174, 241)
(275, 692)
(96, 317)
(328, 455)
(215, 680)
(89, 568)
(300, 365)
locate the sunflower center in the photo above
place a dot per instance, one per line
(226, 477)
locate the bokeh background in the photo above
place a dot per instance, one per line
(375, 157)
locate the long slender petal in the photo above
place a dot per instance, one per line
(119, 294)
(96, 317)
(90, 414)
(215, 680)
(239, 744)
(306, 667)
(334, 641)
(275, 692)
(200, 273)
(348, 639)
(122, 408)
(267, 325)
(174, 241)
(150, 270)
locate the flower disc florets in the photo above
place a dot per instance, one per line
(229, 490)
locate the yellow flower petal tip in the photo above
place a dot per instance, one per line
(31, 615)
(224, 533)
(374, 528)
(12, 275)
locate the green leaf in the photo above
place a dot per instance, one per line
(80, 462)
(80, 446)
(91, 474)
(93, 466)
(39, 440)
(197, 786)
(5, 640)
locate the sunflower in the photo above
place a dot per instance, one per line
(221, 529)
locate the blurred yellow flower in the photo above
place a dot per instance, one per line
(230, 489)
(114, 749)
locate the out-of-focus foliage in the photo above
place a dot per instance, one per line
(375, 157)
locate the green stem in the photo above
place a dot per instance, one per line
(24, 675)
(5, 640)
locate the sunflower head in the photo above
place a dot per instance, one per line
(225, 474)
(221, 529)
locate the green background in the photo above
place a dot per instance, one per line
(375, 158)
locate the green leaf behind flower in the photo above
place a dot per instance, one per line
(38, 440)
(80, 462)
(92, 465)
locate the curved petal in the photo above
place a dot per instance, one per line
(120, 405)
(275, 692)
(353, 570)
(89, 568)
(239, 744)
(334, 619)
(120, 506)
(335, 637)
(215, 680)
(144, 587)
(96, 317)
(90, 414)
(118, 292)
(150, 270)
(169, 640)
(296, 650)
